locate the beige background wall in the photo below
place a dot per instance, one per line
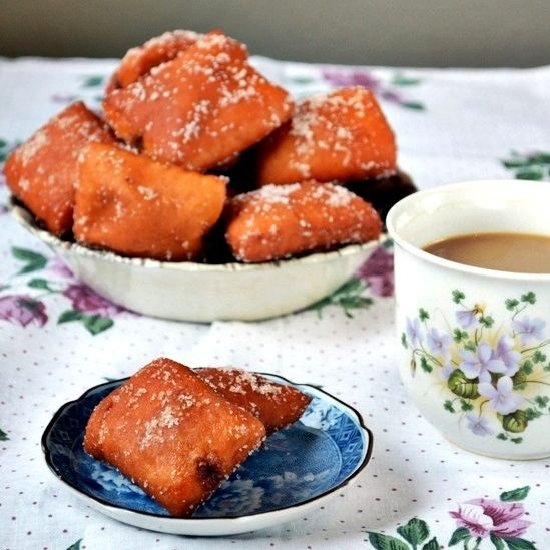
(392, 32)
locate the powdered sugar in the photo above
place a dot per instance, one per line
(147, 193)
(168, 39)
(338, 196)
(279, 221)
(275, 194)
(195, 103)
(24, 184)
(324, 111)
(241, 382)
(168, 418)
(32, 146)
(331, 136)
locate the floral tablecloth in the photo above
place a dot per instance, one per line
(57, 338)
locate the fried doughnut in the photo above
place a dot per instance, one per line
(200, 109)
(277, 221)
(338, 136)
(274, 404)
(140, 60)
(171, 434)
(43, 171)
(135, 206)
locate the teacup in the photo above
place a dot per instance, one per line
(474, 343)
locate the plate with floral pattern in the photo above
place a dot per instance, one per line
(295, 470)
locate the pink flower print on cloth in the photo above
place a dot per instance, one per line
(377, 271)
(22, 310)
(483, 517)
(343, 77)
(481, 523)
(49, 279)
(85, 300)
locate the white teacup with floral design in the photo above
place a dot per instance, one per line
(474, 349)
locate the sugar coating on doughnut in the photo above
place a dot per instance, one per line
(276, 405)
(200, 109)
(339, 136)
(43, 171)
(171, 434)
(278, 221)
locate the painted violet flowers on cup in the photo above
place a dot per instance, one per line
(493, 370)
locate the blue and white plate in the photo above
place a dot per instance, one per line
(295, 470)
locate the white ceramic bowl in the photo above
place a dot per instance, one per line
(198, 292)
(475, 342)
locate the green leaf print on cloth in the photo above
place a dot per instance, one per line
(32, 261)
(416, 533)
(95, 81)
(6, 147)
(23, 299)
(375, 276)
(530, 166)
(87, 85)
(348, 297)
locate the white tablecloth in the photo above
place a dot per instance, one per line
(451, 125)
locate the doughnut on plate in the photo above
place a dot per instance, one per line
(297, 470)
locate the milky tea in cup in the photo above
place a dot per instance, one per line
(472, 288)
(508, 251)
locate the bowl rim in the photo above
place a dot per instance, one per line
(26, 219)
(452, 189)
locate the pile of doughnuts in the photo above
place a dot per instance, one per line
(197, 156)
(178, 433)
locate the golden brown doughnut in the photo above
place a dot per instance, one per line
(171, 434)
(135, 206)
(140, 60)
(277, 221)
(339, 136)
(200, 109)
(276, 405)
(43, 171)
